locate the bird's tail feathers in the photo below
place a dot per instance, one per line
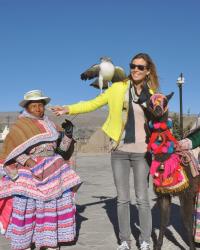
(95, 84)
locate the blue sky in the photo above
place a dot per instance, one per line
(46, 44)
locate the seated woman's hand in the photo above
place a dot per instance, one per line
(30, 163)
(67, 125)
(59, 110)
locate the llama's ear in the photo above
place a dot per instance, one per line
(169, 96)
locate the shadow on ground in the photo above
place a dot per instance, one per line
(175, 222)
(110, 206)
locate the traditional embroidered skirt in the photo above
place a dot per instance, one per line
(43, 209)
(47, 180)
(45, 223)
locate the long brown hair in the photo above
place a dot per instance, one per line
(153, 77)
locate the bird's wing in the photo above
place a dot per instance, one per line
(95, 84)
(119, 74)
(91, 73)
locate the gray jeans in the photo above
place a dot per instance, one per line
(122, 163)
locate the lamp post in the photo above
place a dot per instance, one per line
(180, 82)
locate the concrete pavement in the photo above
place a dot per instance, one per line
(97, 227)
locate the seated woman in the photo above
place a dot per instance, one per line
(36, 191)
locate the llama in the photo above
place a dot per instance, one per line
(169, 169)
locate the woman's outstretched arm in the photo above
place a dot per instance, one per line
(82, 107)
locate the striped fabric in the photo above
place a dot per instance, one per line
(42, 198)
(44, 223)
(47, 180)
(20, 139)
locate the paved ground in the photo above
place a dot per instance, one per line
(96, 211)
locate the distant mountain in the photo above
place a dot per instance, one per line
(85, 124)
(87, 130)
(93, 119)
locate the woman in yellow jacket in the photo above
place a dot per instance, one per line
(125, 125)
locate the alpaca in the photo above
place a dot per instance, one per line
(170, 172)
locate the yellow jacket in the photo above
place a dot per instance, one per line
(114, 97)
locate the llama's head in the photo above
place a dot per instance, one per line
(158, 104)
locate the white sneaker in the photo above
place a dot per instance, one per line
(144, 246)
(123, 246)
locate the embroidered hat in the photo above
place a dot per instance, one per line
(34, 95)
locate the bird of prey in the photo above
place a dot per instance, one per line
(105, 73)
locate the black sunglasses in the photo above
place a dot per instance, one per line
(139, 66)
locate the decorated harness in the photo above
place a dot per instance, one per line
(166, 169)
